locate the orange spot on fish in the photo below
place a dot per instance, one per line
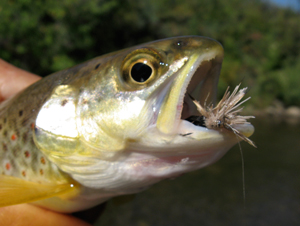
(32, 125)
(13, 137)
(41, 172)
(7, 166)
(27, 154)
(23, 173)
(43, 161)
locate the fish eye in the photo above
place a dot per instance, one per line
(141, 72)
(141, 68)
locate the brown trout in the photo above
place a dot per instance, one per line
(113, 125)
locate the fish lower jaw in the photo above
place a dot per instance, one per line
(193, 147)
(144, 169)
(246, 129)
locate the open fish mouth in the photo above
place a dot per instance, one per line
(199, 79)
(224, 115)
(203, 86)
(214, 116)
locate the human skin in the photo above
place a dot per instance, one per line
(13, 80)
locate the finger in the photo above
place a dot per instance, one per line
(13, 79)
(29, 215)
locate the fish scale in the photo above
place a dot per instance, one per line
(19, 155)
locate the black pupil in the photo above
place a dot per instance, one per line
(141, 72)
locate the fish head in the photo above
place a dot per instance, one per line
(144, 87)
(123, 127)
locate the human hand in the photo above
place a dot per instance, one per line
(13, 80)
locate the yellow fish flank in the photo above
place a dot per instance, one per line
(113, 125)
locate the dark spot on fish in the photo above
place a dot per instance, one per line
(168, 52)
(96, 67)
(4, 146)
(20, 113)
(24, 137)
(180, 44)
(64, 102)
(185, 134)
(5, 120)
(24, 173)
(27, 154)
(0, 126)
(43, 161)
(5, 133)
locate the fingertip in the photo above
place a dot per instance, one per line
(29, 215)
(13, 79)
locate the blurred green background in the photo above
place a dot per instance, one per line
(261, 41)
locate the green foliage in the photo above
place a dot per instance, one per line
(289, 83)
(37, 35)
(261, 41)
